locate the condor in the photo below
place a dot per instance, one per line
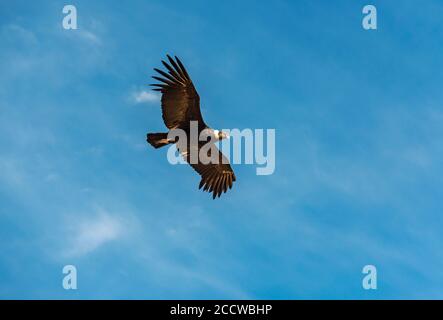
(180, 104)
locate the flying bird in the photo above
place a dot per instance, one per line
(180, 104)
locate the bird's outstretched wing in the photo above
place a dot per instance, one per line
(215, 177)
(180, 101)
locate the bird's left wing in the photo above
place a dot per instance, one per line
(216, 176)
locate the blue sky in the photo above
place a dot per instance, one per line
(359, 125)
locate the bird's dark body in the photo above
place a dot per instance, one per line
(180, 106)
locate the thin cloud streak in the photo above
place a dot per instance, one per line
(144, 96)
(89, 234)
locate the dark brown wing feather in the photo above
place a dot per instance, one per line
(180, 101)
(215, 177)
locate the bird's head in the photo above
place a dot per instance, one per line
(220, 135)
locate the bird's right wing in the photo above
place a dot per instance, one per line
(180, 101)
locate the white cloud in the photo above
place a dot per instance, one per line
(89, 36)
(19, 33)
(145, 96)
(51, 177)
(92, 233)
(12, 174)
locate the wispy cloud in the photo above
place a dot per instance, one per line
(14, 31)
(11, 173)
(92, 233)
(89, 36)
(142, 96)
